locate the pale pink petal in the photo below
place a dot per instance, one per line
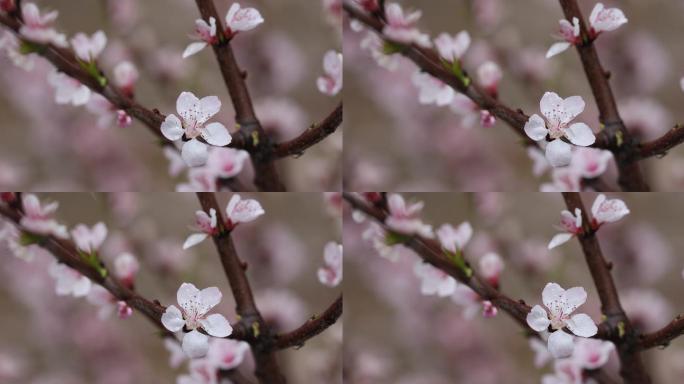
(582, 325)
(194, 152)
(194, 239)
(187, 295)
(209, 106)
(195, 344)
(559, 239)
(549, 104)
(560, 344)
(210, 297)
(573, 106)
(538, 319)
(559, 153)
(193, 48)
(552, 292)
(580, 134)
(172, 128)
(557, 48)
(216, 325)
(172, 319)
(216, 134)
(535, 128)
(187, 105)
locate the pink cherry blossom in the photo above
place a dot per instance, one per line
(608, 211)
(202, 371)
(226, 162)
(468, 301)
(331, 82)
(126, 267)
(571, 226)
(487, 120)
(226, 353)
(68, 90)
(403, 217)
(241, 19)
(592, 353)
(331, 273)
(605, 19)
(452, 48)
(125, 76)
(38, 218)
(242, 211)
(454, 239)
(434, 281)
(490, 267)
(469, 111)
(205, 33)
(432, 90)
(488, 309)
(193, 315)
(69, 281)
(200, 179)
(194, 113)
(11, 238)
(590, 162)
(37, 27)
(89, 240)
(206, 225)
(401, 28)
(565, 372)
(559, 113)
(560, 304)
(488, 76)
(563, 180)
(89, 48)
(569, 33)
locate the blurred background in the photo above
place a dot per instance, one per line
(398, 144)
(50, 147)
(56, 339)
(393, 334)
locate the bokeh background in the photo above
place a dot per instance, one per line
(50, 147)
(52, 339)
(393, 334)
(394, 143)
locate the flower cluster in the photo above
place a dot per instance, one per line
(222, 355)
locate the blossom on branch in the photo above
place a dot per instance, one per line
(454, 239)
(331, 82)
(452, 48)
(69, 281)
(68, 90)
(401, 28)
(490, 267)
(38, 218)
(125, 76)
(331, 274)
(434, 281)
(403, 217)
(89, 240)
(489, 75)
(241, 19)
(569, 33)
(89, 48)
(604, 19)
(38, 28)
(432, 90)
(12, 47)
(126, 267)
(205, 33)
(205, 225)
(108, 304)
(607, 211)
(570, 225)
(242, 211)
(193, 316)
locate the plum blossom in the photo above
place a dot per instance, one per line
(206, 225)
(205, 33)
(125, 76)
(590, 163)
(108, 304)
(242, 211)
(331, 274)
(89, 48)
(201, 372)
(69, 281)
(466, 108)
(375, 45)
(401, 28)
(241, 19)
(89, 240)
(11, 237)
(37, 27)
(489, 75)
(487, 120)
(488, 309)
(68, 90)
(377, 236)
(126, 267)
(10, 44)
(200, 179)
(604, 19)
(331, 82)
(468, 300)
(194, 113)
(490, 267)
(226, 353)
(226, 162)
(563, 180)
(434, 281)
(607, 211)
(570, 225)
(454, 239)
(592, 353)
(560, 304)
(452, 48)
(559, 113)
(402, 217)
(193, 315)
(38, 218)
(569, 33)
(432, 90)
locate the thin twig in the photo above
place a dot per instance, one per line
(661, 145)
(311, 328)
(665, 335)
(311, 136)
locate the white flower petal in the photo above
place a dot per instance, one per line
(187, 104)
(195, 344)
(194, 239)
(195, 153)
(193, 48)
(559, 239)
(172, 319)
(210, 297)
(580, 134)
(172, 128)
(558, 153)
(557, 48)
(560, 344)
(573, 106)
(574, 297)
(216, 134)
(209, 106)
(187, 295)
(582, 325)
(535, 128)
(552, 292)
(549, 103)
(216, 325)
(538, 319)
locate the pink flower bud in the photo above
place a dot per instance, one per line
(126, 267)
(123, 310)
(125, 76)
(487, 120)
(489, 75)
(123, 120)
(488, 309)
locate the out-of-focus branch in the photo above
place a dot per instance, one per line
(621, 331)
(311, 136)
(661, 145)
(258, 142)
(312, 327)
(665, 335)
(261, 339)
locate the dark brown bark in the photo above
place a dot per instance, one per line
(661, 145)
(315, 134)
(311, 328)
(663, 336)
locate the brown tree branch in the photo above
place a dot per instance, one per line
(311, 136)
(614, 136)
(261, 339)
(312, 327)
(661, 145)
(665, 335)
(258, 142)
(621, 332)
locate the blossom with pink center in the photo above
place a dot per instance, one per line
(202, 371)
(592, 353)
(488, 309)
(194, 113)
(38, 218)
(68, 90)
(563, 180)
(403, 217)
(432, 90)
(488, 76)
(560, 304)
(434, 281)
(205, 33)
(607, 211)
(570, 225)
(487, 120)
(604, 19)
(559, 113)
(453, 239)
(565, 372)
(108, 304)
(89, 48)
(569, 33)
(89, 240)
(331, 82)
(37, 27)
(452, 48)
(490, 267)
(401, 27)
(125, 76)
(331, 273)
(199, 180)
(241, 19)
(69, 281)
(227, 354)
(193, 315)
(242, 211)
(590, 163)
(126, 267)
(226, 162)
(205, 224)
